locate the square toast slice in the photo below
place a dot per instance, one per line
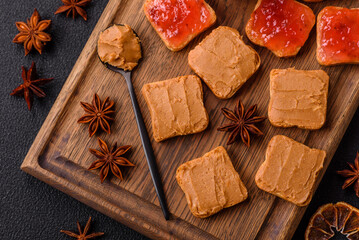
(211, 183)
(298, 98)
(338, 36)
(176, 107)
(290, 170)
(224, 61)
(178, 22)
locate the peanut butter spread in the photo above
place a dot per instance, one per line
(176, 107)
(223, 61)
(298, 98)
(211, 183)
(120, 47)
(290, 170)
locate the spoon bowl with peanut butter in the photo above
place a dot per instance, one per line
(119, 49)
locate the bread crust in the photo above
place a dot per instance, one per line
(248, 31)
(213, 19)
(319, 38)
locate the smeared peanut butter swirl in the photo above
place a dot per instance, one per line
(120, 47)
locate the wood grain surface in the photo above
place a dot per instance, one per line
(59, 155)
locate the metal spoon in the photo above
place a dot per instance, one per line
(146, 143)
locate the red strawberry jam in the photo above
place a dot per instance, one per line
(177, 20)
(282, 26)
(338, 35)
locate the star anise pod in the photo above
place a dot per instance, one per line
(32, 33)
(243, 123)
(82, 235)
(31, 85)
(74, 7)
(352, 174)
(110, 160)
(97, 114)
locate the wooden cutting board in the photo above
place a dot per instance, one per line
(59, 155)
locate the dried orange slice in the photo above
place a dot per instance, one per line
(341, 216)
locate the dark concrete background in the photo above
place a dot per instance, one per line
(30, 209)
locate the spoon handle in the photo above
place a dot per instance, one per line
(151, 160)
